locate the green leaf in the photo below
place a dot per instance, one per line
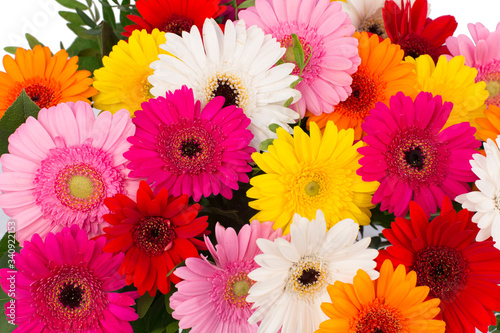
(288, 102)
(86, 19)
(89, 53)
(11, 49)
(274, 127)
(32, 41)
(298, 52)
(108, 14)
(159, 330)
(295, 83)
(246, 4)
(89, 62)
(15, 116)
(172, 327)
(123, 13)
(167, 300)
(108, 38)
(143, 304)
(97, 14)
(265, 144)
(72, 4)
(71, 17)
(89, 3)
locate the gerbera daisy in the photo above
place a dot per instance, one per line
(304, 174)
(211, 298)
(380, 75)
(483, 53)
(411, 157)
(173, 16)
(62, 166)
(366, 15)
(455, 83)
(486, 201)
(235, 64)
(324, 31)
(409, 26)
(292, 278)
(66, 284)
(489, 126)
(393, 302)
(48, 80)
(123, 81)
(188, 150)
(156, 234)
(461, 272)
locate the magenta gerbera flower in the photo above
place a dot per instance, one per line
(189, 150)
(66, 284)
(62, 166)
(212, 298)
(325, 32)
(482, 53)
(411, 157)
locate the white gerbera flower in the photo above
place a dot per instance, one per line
(237, 64)
(366, 15)
(291, 282)
(486, 201)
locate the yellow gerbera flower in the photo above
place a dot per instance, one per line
(123, 81)
(455, 83)
(392, 302)
(304, 174)
(48, 80)
(381, 74)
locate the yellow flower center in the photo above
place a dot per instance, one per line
(377, 317)
(493, 88)
(80, 187)
(312, 188)
(307, 277)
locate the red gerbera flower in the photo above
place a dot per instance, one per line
(173, 16)
(156, 234)
(417, 34)
(463, 273)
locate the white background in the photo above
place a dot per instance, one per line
(41, 19)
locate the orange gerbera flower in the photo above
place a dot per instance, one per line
(381, 75)
(490, 125)
(48, 80)
(392, 302)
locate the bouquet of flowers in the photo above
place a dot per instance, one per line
(216, 167)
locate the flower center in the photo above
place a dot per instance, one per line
(367, 90)
(287, 42)
(230, 87)
(415, 46)
(307, 277)
(377, 317)
(177, 24)
(444, 270)
(71, 295)
(154, 235)
(237, 287)
(496, 199)
(40, 94)
(416, 157)
(374, 24)
(190, 146)
(492, 80)
(80, 187)
(69, 300)
(312, 188)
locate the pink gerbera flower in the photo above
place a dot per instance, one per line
(411, 157)
(189, 150)
(212, 297)
(482, 53)
(66, 284)
(324, 31)
(62, 166)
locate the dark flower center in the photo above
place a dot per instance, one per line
(154, 235)
(309, 276)
(226, 90)
(190, 148)
(40, 94)
(415, 46)
(444, 270)
(377, 317)
(415, 158)
(177, 24)
(374, 24)
(71, 295)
